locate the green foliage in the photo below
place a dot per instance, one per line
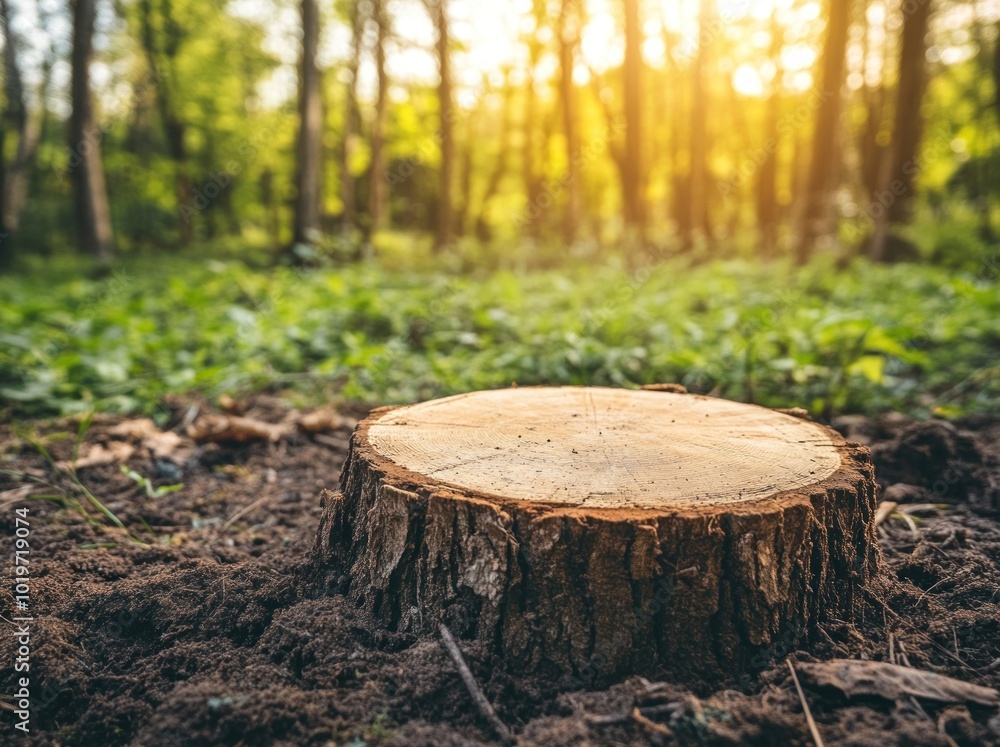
(68, 491)
(863, 338)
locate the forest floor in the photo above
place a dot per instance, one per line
(206, 628)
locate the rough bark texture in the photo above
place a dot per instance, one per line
(586, 594)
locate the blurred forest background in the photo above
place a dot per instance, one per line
(773, 200)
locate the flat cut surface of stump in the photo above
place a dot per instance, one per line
(590, 532)
(605, 448)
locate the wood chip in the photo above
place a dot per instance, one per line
(893, 682)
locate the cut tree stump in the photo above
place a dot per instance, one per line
(591, 532)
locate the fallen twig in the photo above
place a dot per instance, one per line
(484, 706)
(650, 725)
(814, 730)
(608, 719)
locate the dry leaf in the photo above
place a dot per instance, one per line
(234, 428)
(134, 429)
(162, 444)
(115, 452)
(893, 682)
(321, 420)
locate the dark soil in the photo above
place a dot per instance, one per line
(213, 630)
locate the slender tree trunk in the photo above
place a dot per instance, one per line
(529, 172)
(6, 246)
(272, 218)
(816, 209)
(445, 218)
(93, 212)
(698, 201)
(14, 181)
(174, 129)
(377, 183)
(767, 183)
(568, 33)
(347, 182)
(909, 125)
(875, 102)
(307, 226)
(635, 212)
(500, 167)
(996, 72)
(678, 173)
(466, 167)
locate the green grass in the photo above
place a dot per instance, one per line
(861, 339)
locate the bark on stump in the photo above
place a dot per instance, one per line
(590, 532)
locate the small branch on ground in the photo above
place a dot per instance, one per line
(484, 706)
(813, 729)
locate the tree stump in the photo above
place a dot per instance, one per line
(591, 532)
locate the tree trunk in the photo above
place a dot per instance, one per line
(377, 182)
(996, 72)
(817, 200)
(15, 177)
(306, 228)
(466, 167)
(590, 532)
(895, 187)
(632, 197)
(445, 217)
(699, 219)
(568, 33)
(483, 231)
(909, 125)
(93, 212)
(678, 175)
(767, 180)
(174, 128)
(351, 126)
(529, 165)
